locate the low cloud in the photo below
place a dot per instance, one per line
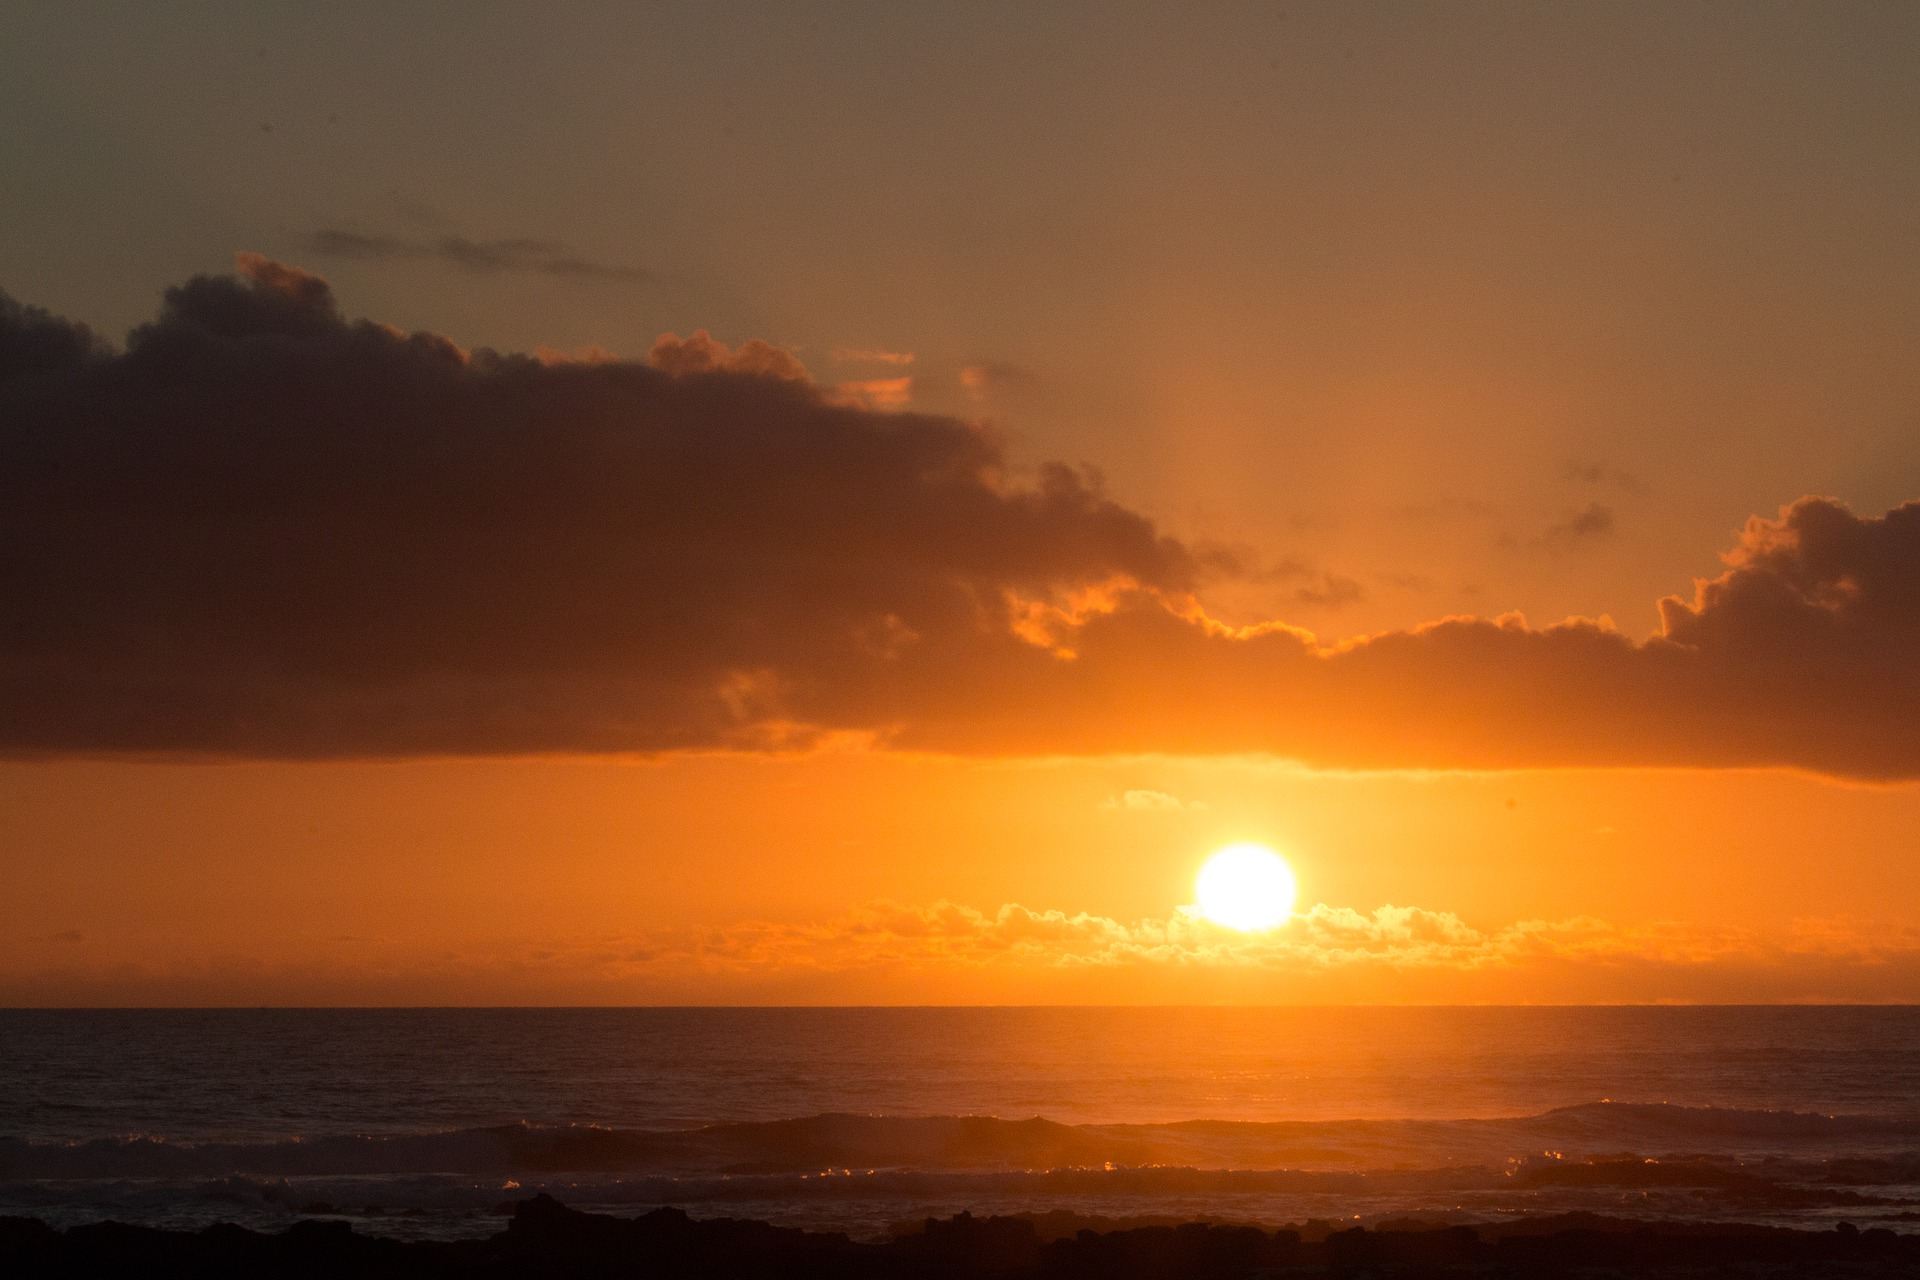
(486, 257)
(264, 530)
(1324, 948)
(888, 951)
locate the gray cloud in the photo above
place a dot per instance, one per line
(263, 530)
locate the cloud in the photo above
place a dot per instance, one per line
(1321, 590)
(1332, 591)
(880, 394)
(702, 354)
(1590, 524)
(1391, 950)
(994, 376)
(537, 257)
(1140, 800)
(890, 952)
(1591, 521)
(870, 355)
(262, 530)
(1800, 654)
(33, 340)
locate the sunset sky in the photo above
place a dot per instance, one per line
(853, 503)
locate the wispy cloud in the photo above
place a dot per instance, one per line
(1143, 800)
(519, 254)
(1332, 591)
(1318, 588)
(1599, 474)
(1592, 523)
(870, 355)
(990, 377)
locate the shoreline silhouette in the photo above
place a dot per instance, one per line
(545, 1238)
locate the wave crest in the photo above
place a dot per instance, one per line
(986, 1143)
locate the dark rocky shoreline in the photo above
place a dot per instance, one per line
(545, 1238)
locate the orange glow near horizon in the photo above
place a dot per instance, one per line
(722, 879)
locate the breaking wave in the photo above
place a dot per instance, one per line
(927, 1144)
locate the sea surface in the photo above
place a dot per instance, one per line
(424, 1123)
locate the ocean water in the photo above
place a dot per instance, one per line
(431, 1122)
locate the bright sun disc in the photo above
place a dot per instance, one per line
(1246, 886)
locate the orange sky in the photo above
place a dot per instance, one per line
(759, 508)
(540, 880)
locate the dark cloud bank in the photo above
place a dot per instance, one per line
(261, 530)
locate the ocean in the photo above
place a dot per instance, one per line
(432, 1122)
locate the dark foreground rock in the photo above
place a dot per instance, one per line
(544, 1238)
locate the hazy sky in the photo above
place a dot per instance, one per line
(1365, 316)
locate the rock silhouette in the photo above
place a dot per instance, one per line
(546, 1239)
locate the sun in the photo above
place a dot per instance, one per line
(1246, 886)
